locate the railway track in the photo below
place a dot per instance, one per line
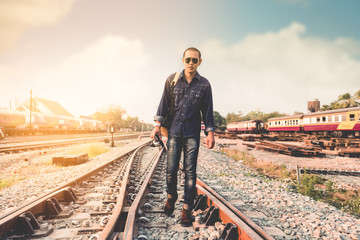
(35, 138)
(17, 147)
(118, 200)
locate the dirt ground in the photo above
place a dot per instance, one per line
(325, 162)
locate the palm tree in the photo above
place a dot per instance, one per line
(346, 100)
(357, 94)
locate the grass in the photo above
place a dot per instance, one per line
(311, 185)
(267, 169)
(92, 149)
(5, 183)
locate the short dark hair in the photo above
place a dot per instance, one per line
(192, 49)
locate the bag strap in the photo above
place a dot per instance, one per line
(172, 97)
(176, 78)
(168, 117)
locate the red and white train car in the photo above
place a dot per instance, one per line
(338, 122)
(252, 126)
(285, 124)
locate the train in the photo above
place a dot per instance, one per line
(331, 123)
(14, 122)
(252, 126)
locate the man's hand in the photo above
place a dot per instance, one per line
(210, 140)
(156, 131)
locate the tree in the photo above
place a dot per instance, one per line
(325, 107)
(218, 119)
(233, 117)
(132, 122)
(267, 116)
(345, 101)
(357, 95)
(112, 115)
(254, 115)
(298, 113)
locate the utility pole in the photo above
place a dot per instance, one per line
(30, 106)
(10, 104)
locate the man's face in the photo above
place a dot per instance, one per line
(188, 60)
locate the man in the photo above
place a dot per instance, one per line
(191, 97)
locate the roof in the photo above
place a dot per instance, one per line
(333, 111)
(249, 121)
(316, 113)
(51, 106)
(55, 107)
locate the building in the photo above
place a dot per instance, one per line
(44, 106)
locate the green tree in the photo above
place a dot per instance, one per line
(112, 115)
(297, 113)
(254, 115)
(357, 95)
(325, 107)
(345, 101)
(133, 123)
(218, 119)
(233, 117)
(267, 116)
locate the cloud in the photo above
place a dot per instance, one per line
(17, 16)
(111, 70)
(280, 71)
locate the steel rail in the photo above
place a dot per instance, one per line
(351, 173)
(74, 181)
(120, 202)
(52, 143)
(130, 221)
(247, 229)
(36, 206)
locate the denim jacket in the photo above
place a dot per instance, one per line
(190, 100)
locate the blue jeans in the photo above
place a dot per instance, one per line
(190, 147)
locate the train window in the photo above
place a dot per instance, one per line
(336, 118)
(359, 117)
(352, 117)
(324, 119)
(343, 117)
(318, 119)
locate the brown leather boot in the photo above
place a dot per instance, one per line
(169, 206)
(186, 218)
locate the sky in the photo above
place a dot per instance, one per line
(266, 55)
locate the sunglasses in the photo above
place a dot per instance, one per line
(194, 60)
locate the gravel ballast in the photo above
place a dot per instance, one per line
(270, 203)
